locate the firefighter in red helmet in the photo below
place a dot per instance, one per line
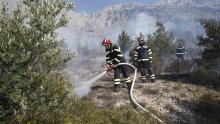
(113, 58)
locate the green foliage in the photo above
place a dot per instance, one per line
(131, 56)
(33, 89)
(124, 41)
(87, 113)
(162, 46)
(204, 76)
(179, 67)
(161, 42)
(210, 42)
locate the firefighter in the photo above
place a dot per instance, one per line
(180, 52)
(143, 57)
(113, 58)
(141, 35)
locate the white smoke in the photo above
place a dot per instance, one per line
(81, 66)
(141, 23)
(85, 87)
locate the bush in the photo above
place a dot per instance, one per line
(206, 77)
(210, 42)
(33, 87)
(88, 113)
(179, 67)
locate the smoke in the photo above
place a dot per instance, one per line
(85, 87)
(85, 32)
(141, 23)
(90, 54)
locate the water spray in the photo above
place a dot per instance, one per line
(86, 85)
(130, 93)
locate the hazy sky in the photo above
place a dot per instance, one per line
(91, 6)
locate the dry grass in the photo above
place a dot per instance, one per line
(153, 91)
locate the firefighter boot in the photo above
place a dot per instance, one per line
(116, 87)
(143, 81)
(128, 86)
(152, 80)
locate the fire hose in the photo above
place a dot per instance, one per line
(131, 95)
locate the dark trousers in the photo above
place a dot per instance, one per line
(180, 56)
(125, 73)
(146, 66)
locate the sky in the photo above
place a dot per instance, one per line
(91, 6)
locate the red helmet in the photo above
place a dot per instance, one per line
(106, 41)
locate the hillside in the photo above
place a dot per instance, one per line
(180, 16)
(182, 102)
(175, 97)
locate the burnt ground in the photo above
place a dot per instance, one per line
(176, 97)
(170, 95)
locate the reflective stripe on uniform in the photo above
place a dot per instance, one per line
(143, 60)
(152, 76)
(180, 48)
(127, 80)
(109, 62)
(143, 77)
(145, 46)
(138, 47)
(118, 50)
(119, 55)
(107, 52)
(117, 60)
(116, 80)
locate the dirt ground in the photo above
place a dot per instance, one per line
(180, 101)
(176, 100)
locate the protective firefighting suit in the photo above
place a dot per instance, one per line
(180, 52)
(114, 57)
(143, 56)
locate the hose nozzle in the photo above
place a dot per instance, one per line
(110, 68)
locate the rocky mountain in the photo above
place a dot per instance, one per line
(205, 3)
(180, 16)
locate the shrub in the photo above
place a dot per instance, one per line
(206, 77)
(33, 87)
(179, 67)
